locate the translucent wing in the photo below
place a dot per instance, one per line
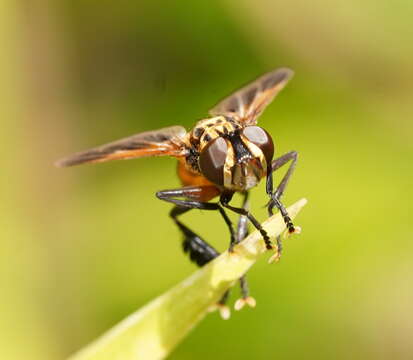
(167, 141)
(249, 102)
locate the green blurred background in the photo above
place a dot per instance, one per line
(83, 247)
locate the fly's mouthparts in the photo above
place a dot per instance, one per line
(243, 169)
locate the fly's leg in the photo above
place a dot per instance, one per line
(198, 249)
(242, 226)
(200, 252)
(276, 195)
(193, 196)
(279, 191)
(245, 298)
(242, 232)
(226, 198)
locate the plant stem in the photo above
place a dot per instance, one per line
(154, 331)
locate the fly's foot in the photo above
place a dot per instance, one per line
(245, 297)
(221, 306)
(240, 303)
(267, 239)
(277, 256)
(275, 202)
(224, 310)
(231, 248)
(291, 231)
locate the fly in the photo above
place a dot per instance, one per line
(223, 154)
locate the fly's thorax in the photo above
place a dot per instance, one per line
(209, 129)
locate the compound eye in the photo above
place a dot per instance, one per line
(212, 160)
(258, 136)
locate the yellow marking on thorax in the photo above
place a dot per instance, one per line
(214, 129)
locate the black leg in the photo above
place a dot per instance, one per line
(279, 162)
(242, 232)
(279, 191)
(242, 227)
(226, 198)
(170, 196)
(244, 287)
(276, 195)
(199, 251)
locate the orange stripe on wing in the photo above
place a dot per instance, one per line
(92, 156)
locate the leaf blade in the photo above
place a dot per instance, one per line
(153, 331)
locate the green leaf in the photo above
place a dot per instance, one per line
(153, 331)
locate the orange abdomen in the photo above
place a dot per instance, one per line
(190, 178)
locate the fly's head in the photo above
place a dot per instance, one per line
(237, 161)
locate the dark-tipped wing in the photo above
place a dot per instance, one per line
(249, 102)
(167, 141)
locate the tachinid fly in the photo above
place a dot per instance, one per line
(221, 155)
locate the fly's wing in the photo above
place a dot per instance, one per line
(167, 141)
(249, 102)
